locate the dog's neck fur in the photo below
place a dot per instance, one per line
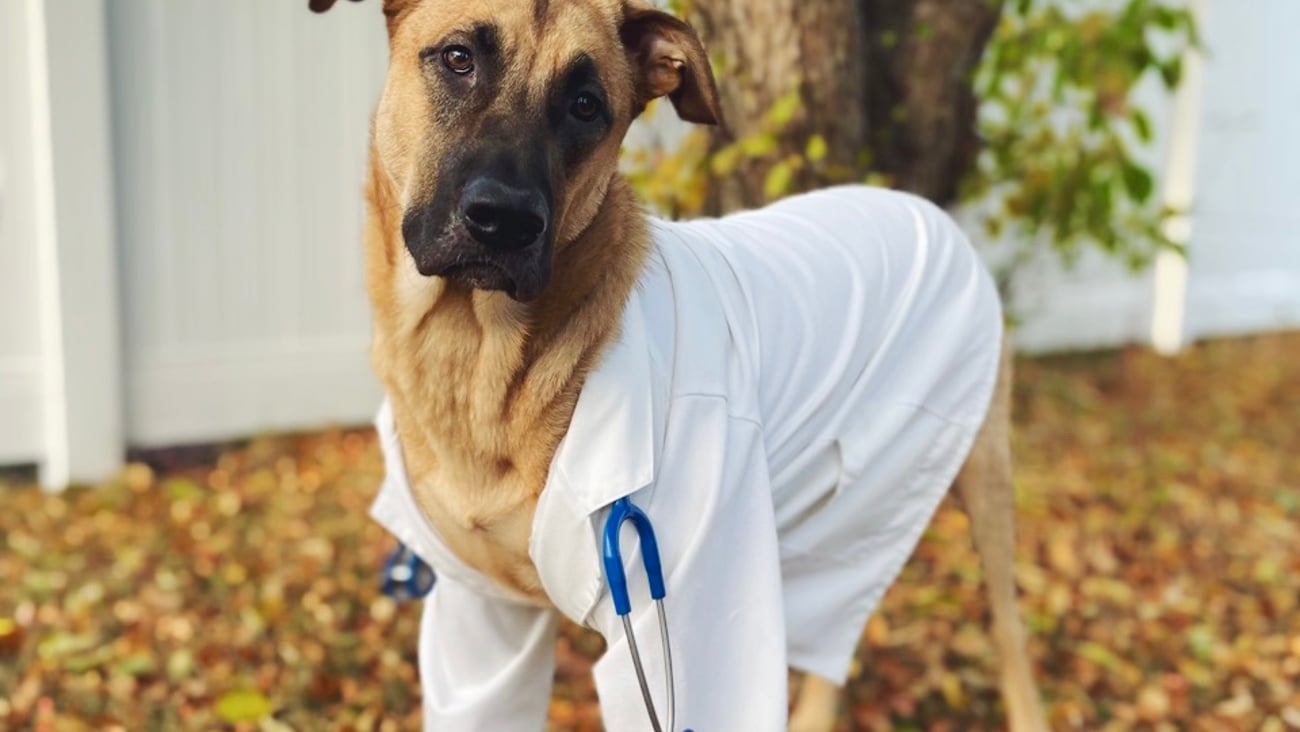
(481, 393)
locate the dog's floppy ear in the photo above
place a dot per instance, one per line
(669, 60)
(320, 6)
(393, 9)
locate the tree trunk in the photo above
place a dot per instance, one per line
(920, 105)
(886, 83)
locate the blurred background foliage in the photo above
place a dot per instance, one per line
(1024, 112)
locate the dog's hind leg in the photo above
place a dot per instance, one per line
(817, 706)
(987, 492)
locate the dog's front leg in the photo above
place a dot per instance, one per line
(485, 663)
(816, 708)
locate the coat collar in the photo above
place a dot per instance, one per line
(608, 451)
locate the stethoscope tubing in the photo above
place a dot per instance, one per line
(622, 511)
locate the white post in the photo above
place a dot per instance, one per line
(1168, 329)
(75, 233)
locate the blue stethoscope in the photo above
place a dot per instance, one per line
(406, 576)
(621, 512)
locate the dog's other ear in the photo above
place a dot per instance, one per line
(393, 9)
(320, 6)
(669, 60)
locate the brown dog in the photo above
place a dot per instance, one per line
(501, 246)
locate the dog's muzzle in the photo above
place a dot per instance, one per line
(502, 217)
(495, 237)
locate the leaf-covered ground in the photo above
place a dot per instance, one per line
(1159, 566)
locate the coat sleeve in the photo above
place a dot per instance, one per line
(712, 512)
(485, 663)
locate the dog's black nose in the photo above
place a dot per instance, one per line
(502, 216)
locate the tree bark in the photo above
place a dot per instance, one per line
(887, 84)
(920, 103)
(766, 48)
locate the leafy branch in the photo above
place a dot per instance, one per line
(1058, 119)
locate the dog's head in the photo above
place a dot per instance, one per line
(501, 121)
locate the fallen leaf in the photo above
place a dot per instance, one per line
(243, 706)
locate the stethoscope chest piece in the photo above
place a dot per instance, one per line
(406, 576)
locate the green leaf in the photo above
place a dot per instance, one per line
(243, 706)
(1172, 72)
(1168, 18)
(1138, 182)
(1201, 641)
(139, 664)
(1099, 654)
(183, 489)
(778, 181)
(817, 149)
(784, 109)
(180, 664)
(759, 146)
(878, 180)
(60, 644)
(84, 662)
(724, 161)
(1141, 124)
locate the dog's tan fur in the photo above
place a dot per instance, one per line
(483, 386)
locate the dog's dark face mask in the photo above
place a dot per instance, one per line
(501, 120)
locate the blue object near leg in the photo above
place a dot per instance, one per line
(406, 576)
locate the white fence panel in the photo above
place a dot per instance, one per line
(241, 131)
(59, 155)
(1245, 252)
(20, 342)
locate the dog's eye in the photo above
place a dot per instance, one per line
(586, 107)
(458, 59)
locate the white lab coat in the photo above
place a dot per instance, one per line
(792, 392)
